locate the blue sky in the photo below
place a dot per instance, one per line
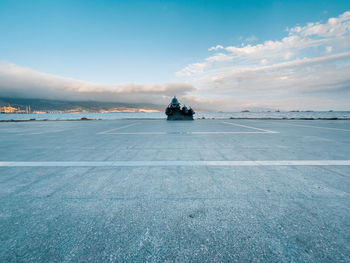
(148, 42)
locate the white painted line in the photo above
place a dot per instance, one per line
(317, 127)
(37, 133)
(118, 128)
(164, 133)
(249, 127)
(225, 132)
(178, 163)
(138, 133)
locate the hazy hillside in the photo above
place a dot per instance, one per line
(59, 105)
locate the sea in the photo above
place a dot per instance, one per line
(160, 115)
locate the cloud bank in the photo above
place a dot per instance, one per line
(307, 69)
(16, 81)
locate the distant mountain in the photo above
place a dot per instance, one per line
(44, 105)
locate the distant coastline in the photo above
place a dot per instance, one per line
(301, 115)
(44, 106)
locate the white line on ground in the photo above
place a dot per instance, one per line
(37, 133)
(249, 127)
(163, 133)
(118, 128)
(317, 127)
(225, 132)
(178, 163)
(138, 133)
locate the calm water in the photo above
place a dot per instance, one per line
(161, 115)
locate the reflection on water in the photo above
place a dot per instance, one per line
(161, 115)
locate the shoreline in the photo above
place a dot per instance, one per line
(198, 119)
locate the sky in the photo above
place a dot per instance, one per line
(213, 55)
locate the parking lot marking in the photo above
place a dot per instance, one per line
(138, 133)
(317, 127)
(249, 127)
(178, 163)
(239, 132)
(118, 128)
(257, 130)
(169, 133)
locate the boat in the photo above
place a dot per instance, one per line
(177, 111)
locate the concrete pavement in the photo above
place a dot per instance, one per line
(150, 191)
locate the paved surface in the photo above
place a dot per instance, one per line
(129, 191)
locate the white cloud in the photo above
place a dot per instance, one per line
(16, 81)
(191, 69)
(312, 62)
(217, 47)
(335, 27)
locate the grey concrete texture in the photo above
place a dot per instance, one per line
(175, 213)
